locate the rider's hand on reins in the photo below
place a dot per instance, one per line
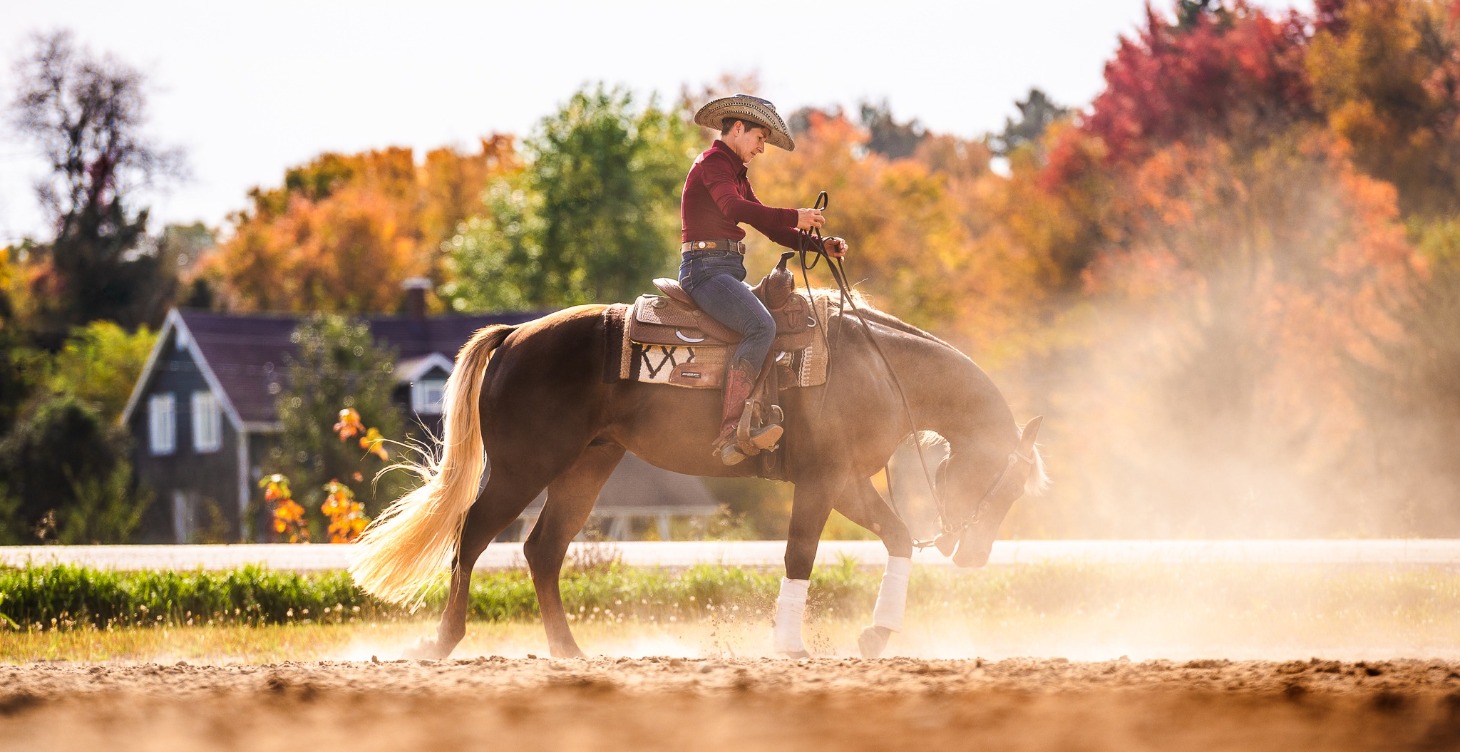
(834, 247)
(809, 219)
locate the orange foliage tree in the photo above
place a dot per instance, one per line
(1223, 261)
(1386, 74)
(345, 231)
(1231, 314)
(911, 223)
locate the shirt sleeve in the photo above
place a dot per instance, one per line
(786, 234)
(777, 224)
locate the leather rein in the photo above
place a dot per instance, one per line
(811, 243)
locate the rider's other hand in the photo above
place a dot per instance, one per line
(835, 247)
(807, 219)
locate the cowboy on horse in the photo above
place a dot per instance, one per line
(717, 199)
(557, 402)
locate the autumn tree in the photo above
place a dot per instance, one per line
(1386, 75)
(1225, 70)
(343, 232)
(1405, 389)
(86, 115)
(913, 224)
(1233, 285)
(593, 216)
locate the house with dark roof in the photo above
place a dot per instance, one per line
(202, 416)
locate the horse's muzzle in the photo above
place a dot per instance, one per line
(974, 548)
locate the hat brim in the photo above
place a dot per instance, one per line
(749, 109)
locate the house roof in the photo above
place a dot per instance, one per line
(246, 354)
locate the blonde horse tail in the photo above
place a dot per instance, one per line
(404, 549)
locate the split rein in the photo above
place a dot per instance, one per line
(813, 245)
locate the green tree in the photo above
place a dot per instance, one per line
(100, 364)
(888, 137)
(15, 378)
(68, 468)
(593, 216)
(337, 365)
(85, 114)
(12, 526)
(1036, 114)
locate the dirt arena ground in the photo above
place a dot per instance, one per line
(734, 704)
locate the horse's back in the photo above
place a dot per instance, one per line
(566, 343)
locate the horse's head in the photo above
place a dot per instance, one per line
(978, 492)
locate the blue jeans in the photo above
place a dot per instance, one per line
(716, 281)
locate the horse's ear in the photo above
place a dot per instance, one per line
(1026, 436)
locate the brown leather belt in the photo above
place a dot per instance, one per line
(712, 245)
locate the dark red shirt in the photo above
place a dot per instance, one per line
(717, 198)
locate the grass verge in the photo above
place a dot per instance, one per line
(1074, 610)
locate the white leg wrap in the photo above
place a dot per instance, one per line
(790, 612)
(892, 596)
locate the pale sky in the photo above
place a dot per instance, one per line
(250, 89)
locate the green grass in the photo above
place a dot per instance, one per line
(62, 612)
(43, 597)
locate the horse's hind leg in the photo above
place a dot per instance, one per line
(864, 506)
(496, 507)
(570, 500)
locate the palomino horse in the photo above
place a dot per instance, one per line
(535, 398)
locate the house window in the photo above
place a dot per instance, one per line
(427, 396)
(162, 423)
(207, 427)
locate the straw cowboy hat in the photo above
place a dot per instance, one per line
(751, 109)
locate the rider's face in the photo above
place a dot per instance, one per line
(746, 140)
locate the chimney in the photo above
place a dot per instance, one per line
(415, 288)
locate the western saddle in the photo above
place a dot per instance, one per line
(675, 320)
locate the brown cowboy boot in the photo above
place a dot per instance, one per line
(739, 382)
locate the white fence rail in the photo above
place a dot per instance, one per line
(324, 557)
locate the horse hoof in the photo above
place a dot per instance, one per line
(873, 641)
(426, 649)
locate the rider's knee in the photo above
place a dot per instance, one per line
(762, 327)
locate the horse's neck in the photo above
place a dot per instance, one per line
(947, 392)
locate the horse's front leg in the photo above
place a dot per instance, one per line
(810, 508)
(865, 507)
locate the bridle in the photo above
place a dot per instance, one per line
(813, 244)
(1008, 481)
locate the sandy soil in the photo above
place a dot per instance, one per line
(735, 704)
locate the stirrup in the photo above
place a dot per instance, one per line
(753, 442)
